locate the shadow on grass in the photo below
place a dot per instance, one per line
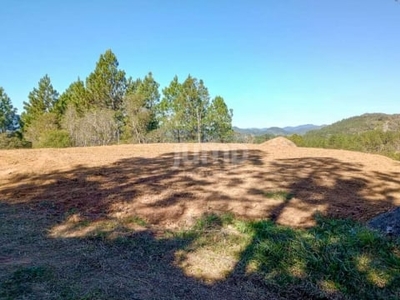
(99, 233)
(336, 259)
(121, 263)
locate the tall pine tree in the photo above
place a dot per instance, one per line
(196, 98)
(172, 111)
(107, 84)
(148, 90)
(41, 100)
(7, 112)
(183, 109)
(219, 121)
(75, 96)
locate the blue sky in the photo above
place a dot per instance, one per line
(276, 63)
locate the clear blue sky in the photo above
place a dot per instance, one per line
(276, 63)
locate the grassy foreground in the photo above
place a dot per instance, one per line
(335, 259)
(220, 258)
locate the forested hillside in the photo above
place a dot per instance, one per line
(108, 107)
(363, 123)
(373, 133)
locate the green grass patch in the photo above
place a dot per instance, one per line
(335, 259)
(279, 195)
(135, 220)
(213, 221)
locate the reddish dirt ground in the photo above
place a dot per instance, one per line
(170, 185)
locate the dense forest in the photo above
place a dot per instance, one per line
(372, 133)
(110, 108)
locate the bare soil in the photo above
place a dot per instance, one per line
(54, 191)
(172, 184)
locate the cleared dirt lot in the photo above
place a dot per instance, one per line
(93, 223)
(171, 185)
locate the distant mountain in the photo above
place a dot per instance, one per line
(361, 124)
(372, 133)
(288, 130)
(302, 129)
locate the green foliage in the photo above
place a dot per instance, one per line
(137, 117)
(172, 111)
(372, 133)
(107, 84)
(184, 108)
(7, 111)
(263, 138)
(219, 121)
(187, 115)
(41, 100)
(13, 141)
(297, 139)
(374, 141)
(107, 108)
(139, 107)
(148, 90)
(55, 139)
(39, 127)
(363, 123)
(75, 95)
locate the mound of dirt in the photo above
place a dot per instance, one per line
(278, 143)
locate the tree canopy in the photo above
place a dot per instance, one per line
(42, 100)
(7, 112)
(108, 107)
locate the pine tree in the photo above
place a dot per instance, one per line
(7, 112)
(107, 84)
(41, 100)
(196, 98)
(219, 121)
(76, 96)
(137, 117)
(171, 110)
(183, 109)
(148, 90)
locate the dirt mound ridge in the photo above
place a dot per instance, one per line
(278, 143)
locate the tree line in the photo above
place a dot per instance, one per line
(109, 107)
(372, 141)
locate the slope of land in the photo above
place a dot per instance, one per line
(370, 133)
(82, 216)
(360, 124)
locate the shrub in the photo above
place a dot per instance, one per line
(54, 139)
(13, 141)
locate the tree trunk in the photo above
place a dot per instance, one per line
(198, 126)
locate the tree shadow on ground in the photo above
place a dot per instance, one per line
(332, 187)
(122, 262)
(159, 189)
(96, 228)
